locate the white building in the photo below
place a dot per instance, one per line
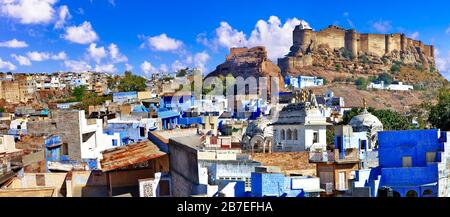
(300, 127)
(94, 140)
(303, 81)
(394, 86)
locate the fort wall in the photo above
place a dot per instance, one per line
(337, 37)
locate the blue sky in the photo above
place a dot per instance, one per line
(154, 36)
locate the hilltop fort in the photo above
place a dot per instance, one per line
(353, 51)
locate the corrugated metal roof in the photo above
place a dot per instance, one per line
(168, 114)
(128, 155)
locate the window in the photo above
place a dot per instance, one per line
(407, 161)
(342, 181)
(295, 135)
(411, 193)
(362, 145)
(431, 156)
(282, 135)
(114, 142)
(248, 183)
(40, 179)
(164, 188)
(142, 131)
(64, 149)
(289, 134)
(427, 193)
(315, 137)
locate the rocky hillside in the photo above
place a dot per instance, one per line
(248, 62)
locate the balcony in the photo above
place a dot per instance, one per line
(321, 157)
(348, 156)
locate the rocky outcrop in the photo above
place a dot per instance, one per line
(248, 62)
(341, 60)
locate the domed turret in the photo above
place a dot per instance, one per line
(366, 122)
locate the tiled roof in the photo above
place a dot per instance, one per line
(128, 155)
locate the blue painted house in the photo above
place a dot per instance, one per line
(169, 118)
(179, 103)
(125, 97)
(276, 184)
(130, 131)
(412, 163)
(54, 150)
(303, 81)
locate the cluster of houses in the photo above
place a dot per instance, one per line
(164, 142)
(20, 88)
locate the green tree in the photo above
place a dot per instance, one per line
(79, 92)
(330, 136)
(439, 116)
(182, 72)
(395, 68)
(91, 99)
(2, 109)
(361, 83)
(131, 82)
(113, 82)
(385, 77)
(391, 120)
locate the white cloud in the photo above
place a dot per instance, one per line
(23, 60)
(7, 65)
(59, 56)
(163, 68)
(443, 63)
(448, 30)
(382, 26)
(38, 56)
(273, 34)
(229, 37)
(197, 60)
(147, 68)
(115, 54)
(77, 66)
(164, 43)
(200, 60)
(96, 53)
(414, 35)
(29, 11)
(177, 65)
(112, 2)
(108, 68)
(83, 34)
(63, 15)
(128, 67)
(14, 43)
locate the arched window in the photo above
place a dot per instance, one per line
(282, 135)
(295, 135)
(411, 193)
(427, 193)
(289, 134)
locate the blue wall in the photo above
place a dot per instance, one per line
(393, 145)
(273, 184)
(129, 132)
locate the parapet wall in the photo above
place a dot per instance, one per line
(336, 38)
